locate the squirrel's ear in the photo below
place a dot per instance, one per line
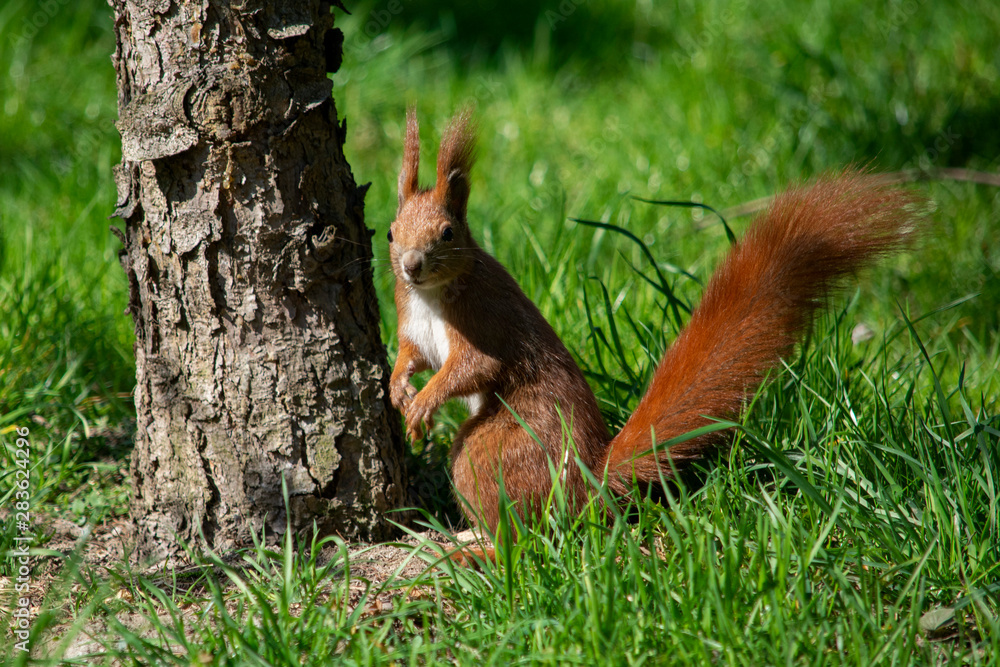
(455, 159)
(411, 158)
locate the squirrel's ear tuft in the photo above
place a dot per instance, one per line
(411, 158)
(455, 159)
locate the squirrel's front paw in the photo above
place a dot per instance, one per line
(419, 414)
(402, 394)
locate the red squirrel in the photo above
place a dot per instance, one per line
(463, 315)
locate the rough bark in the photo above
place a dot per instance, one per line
(258, 354)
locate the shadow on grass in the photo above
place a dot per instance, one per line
(596, 33)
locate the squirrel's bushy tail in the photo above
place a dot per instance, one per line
(758, 302)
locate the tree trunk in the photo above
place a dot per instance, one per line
(258, 354)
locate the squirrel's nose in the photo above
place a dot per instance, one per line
(413, 262)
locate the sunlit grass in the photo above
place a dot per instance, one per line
(862, 490)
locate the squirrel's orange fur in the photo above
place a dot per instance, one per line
(462, 314)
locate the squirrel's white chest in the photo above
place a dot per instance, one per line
(426, 327)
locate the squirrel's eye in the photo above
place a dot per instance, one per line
(389, 236)
(447, 234)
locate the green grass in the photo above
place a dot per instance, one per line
(862, 493)
(66, 364)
